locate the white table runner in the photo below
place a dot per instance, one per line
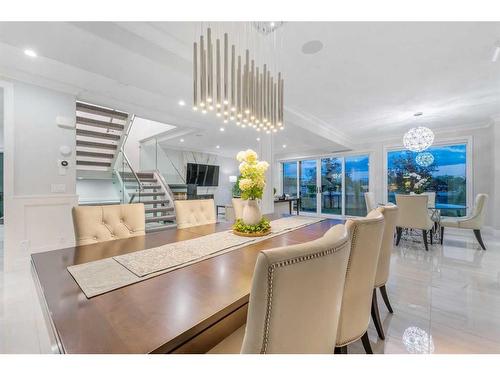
(108, 274)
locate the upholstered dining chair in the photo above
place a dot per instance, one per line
(390, 213)
(474, 221)
(95, 224)
(238, 205)
(370, 201)
(190, 213)
(431, 202)
(295, 299)
(366, 238)
(413, 214)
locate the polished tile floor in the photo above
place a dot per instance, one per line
(446, 300)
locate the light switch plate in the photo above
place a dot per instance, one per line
(58, 188)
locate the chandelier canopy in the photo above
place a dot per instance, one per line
(234, 85)
(424, 159)
(418, 139)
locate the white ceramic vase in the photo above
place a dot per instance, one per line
(251, 212)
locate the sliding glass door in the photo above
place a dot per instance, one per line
(308, 185)
(329, 185)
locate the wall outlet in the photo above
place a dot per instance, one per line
(58, 188)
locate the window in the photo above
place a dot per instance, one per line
(446, 176)
(356, 184)
(329, 185)
(290, 178)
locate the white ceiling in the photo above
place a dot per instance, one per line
(365, 83)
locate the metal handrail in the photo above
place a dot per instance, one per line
(141, 187)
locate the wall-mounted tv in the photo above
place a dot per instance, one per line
(202, 174)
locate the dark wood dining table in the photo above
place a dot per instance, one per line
(188, 310)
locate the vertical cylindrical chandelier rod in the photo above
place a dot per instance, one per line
(252, 82)
(203, 73)
(195, 76)
(247, 81)
(217, 76)
(226, 68)
(238, 91)
(233, 78)
(210, 73)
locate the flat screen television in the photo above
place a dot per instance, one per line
(202, 174)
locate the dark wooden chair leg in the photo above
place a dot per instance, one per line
(442, 235)
(424, 234)
(376, 315)
(385, 297)
(366, 343)
(340, 350)
(479, 239)
(399, 231)
(431, 234)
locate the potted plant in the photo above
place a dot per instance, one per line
(251, 183)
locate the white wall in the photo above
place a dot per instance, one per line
(495, 181)
(97, 191)
(36, 218)
(172, 164)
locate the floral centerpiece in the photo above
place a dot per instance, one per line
(415, 183)
(252, 182)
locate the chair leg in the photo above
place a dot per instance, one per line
(399, 231)
(431, 232)
(442, 235)
(385, 297)
(479, 239)
(376, 315)
(424, 233)
(340, 350)
(366, 343)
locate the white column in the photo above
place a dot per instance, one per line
(266, 153)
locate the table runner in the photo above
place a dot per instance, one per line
(104, 275)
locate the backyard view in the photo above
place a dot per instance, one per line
(446, 176)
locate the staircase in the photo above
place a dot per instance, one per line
(100, 133)
(150, 189)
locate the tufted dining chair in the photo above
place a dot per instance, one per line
(238, 205)
(431, 202)
(295, 299)
(190, 213)
(413, 214)
(366, 238)
(370, 201)
(474, 221)
(95, 224)
(390, 213)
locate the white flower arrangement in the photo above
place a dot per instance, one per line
(252, 172)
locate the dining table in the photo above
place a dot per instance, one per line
(187, 310)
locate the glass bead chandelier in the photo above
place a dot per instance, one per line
(418, 139)
(230, 82)
(424, 159)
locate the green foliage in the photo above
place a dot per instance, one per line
(402, 177)
(236, 188)
(262, 226)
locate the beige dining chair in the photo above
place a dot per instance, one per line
(190, 213)
(95, 224)
(390, 213)
(475, 221)
(295, 299)
(413, 214)
(238, 205)
(431, 202)
(366, 238)
(370, 201)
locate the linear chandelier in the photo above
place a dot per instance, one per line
(235, 87)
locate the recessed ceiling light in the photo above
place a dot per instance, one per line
(30, 53)
(284, 146)
(217, 146)
(182, 103)
(181, 140)
(222, 129)
(272, 24)
(258, 139)
(312, 47)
